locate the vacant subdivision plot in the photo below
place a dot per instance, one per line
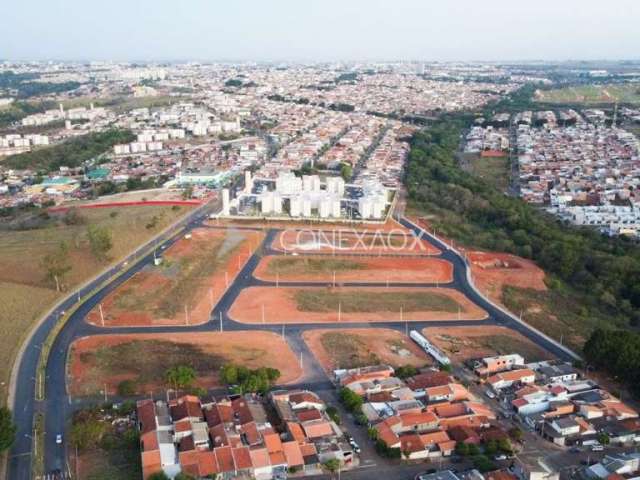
(354, 269)
(107, 360)
(493, 271)
(345, 241)
(466, 343)
(184, 288)
(351, 304)
(359, 347)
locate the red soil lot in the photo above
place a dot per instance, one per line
(493, 271)
(376, 340)
(149, 279)
(269, 348)
(280, 307)
(345, 241)
(378, 269)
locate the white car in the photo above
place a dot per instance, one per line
(597, 448)
(59, 439)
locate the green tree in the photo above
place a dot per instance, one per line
(604, 439)
(491, 447)
(473, 449)
(516, 434)
(183, 476)
(504, 445)
(57, 264)
(351, 400)
(87, 433)
(333, 414)
(229, 374)
(332, 465)
(346, 172)
(127, 388)
(187, 192)
(7, 429)
(158, 476)
(483, 464)
(406, 371)
(180, 376)
(462, 449)
(100, 241)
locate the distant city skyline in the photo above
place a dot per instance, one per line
(328, 30)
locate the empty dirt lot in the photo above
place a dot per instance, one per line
(183, 289)
(354, 269)
(464, 343)
(144, 358)
(358, 347)
(351, 304)
(493, 271)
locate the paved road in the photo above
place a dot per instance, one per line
(25, 406)
(58, 405)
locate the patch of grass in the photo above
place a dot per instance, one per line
(147, 360)
(182, 280)
(21, 305)
(286, 265)
(348, 351)
(556, 313)
(589, 94)
(323, 300)
(122, 104)
(116, 457)
(495, 170)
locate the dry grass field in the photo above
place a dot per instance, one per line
(109, 359)
(24, 288)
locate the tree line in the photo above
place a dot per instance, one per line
(25, 86)
(606, 271)
(618, 353)
(71, 153)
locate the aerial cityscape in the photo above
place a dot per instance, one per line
(346, 240)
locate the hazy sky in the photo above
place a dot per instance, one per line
(320, 29)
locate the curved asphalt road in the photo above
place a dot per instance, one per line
(58, 404)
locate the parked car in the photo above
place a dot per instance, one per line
(59, 439)
(597, 448)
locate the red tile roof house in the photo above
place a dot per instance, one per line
(428, 379)
(512, 377)
(428, 445)
(158, 452)
(464, 434)
(233, 438)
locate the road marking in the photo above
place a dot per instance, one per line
(21, 455)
